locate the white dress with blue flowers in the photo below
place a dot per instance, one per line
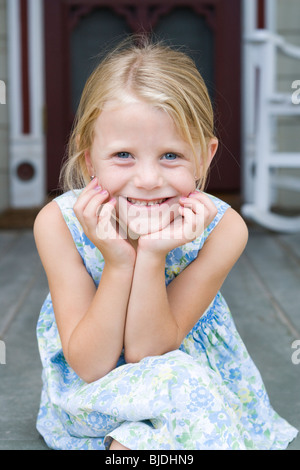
(208, 394)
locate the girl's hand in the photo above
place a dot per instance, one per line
(196, 211)
(95, 211)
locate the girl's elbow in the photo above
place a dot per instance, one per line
(92, 376)
(86, 375)
(155, 345)
(85, 372)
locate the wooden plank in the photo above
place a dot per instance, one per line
(19, 266)
(267, 339)
(7, 239)
(291, 244)
(20, 378)
(279, 274)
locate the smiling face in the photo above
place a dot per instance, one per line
(139, 156)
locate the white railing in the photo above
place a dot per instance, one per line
(263, 103)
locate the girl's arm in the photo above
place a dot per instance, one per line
(159, 318)
(90, 320)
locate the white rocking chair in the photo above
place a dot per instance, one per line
(261, 162)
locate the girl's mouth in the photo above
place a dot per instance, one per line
(144, 202)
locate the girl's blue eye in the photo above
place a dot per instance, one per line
(123, 155)
(170, 156)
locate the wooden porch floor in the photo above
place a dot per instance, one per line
(263, 292)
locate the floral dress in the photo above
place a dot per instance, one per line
(208, 394)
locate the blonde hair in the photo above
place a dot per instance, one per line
(153, 72)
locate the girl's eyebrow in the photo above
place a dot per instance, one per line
(174, 147)
(118, 146)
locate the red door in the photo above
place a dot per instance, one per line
(77, 31)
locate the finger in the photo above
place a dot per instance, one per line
(105, 229)
(194, 204)
(94, 203)
(201, 204)
(204, 199)
(107, 208)
(210, 209)
(186, 212)
(193, 224)
(87, 193)
(93, 184)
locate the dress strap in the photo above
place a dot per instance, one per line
(66, 203)
(222, 208)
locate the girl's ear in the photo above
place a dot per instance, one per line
(212, 148)
(88, 162)
(211, 151)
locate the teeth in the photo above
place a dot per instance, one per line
(137, 202)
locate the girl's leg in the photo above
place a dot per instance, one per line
(115, 445)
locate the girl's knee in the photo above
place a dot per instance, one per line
(115, 445)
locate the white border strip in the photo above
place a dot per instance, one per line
(14, 69)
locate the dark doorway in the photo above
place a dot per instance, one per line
(209, 30)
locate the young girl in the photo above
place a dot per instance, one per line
(138, 347)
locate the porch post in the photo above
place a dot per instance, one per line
(249, 24)
(26, 103)
(252, 11)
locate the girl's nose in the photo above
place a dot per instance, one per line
(148, 176)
